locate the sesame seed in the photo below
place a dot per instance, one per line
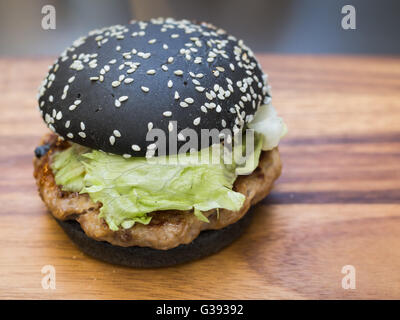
(209, 96)
(117, 103)
(196, 121)
(170, 83)
(94, 78)
(135, 147)
(112, 140)
(123, 98)
(70, 135)
(167, 113)
(151, 146)
(59, 115)
(82, 134)
(128, 80)
(70, 80)
(126, 155)
(152, 41)
(181, 137)
(170, 127)
(67, 124)
(115, 83)
(150, 126)
(72, 107)
(170, 59)
(183, 104)
(145, 89)
(149, 154)
(189, 100)
(117, 133)
(200, 89)
(165, 46)
(164, 67)
(82, 126)
(175, 35)
(151, 71)
(176, 95)
(178, 72)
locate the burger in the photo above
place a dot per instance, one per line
(133, 111)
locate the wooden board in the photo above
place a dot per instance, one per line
(337, 202)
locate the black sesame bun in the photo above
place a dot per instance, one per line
(111, 87)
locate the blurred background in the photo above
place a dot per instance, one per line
(285, 26)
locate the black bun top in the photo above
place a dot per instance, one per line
(111, 87)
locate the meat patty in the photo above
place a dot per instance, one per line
(167, 229)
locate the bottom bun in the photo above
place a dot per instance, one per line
(207, 243)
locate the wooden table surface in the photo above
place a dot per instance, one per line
(337, 202)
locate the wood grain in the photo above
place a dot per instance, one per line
(337, 202)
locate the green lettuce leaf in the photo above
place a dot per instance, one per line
(267, 123)
(131, 188)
